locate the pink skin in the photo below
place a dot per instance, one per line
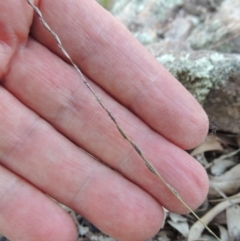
(48, 118)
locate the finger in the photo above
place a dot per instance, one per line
(108, 54)
(36, 151)
(66, 103)
(27, 213)
(15, 21)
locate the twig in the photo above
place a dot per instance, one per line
(121, 131)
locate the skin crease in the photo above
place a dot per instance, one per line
(49, 120)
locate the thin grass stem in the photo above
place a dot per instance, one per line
(120, 129)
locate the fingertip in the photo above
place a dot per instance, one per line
(65, 230)
(122, 210)
(199, 194)
(196, 129)
(56, 225)
(193, 191)
(144, 226)
(28, 214)
(148, 224)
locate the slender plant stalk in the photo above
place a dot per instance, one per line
(121, 131)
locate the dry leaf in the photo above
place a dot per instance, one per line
(177, 217)
(83, 230)
(220, 166)
(228, 183)
(233, 221)
(163, 236)
(197, 228)
(181, 227)
(179, 223)
(211, 143)
(223, 232)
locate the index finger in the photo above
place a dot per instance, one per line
(107, 53)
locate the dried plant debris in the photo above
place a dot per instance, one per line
(179, 223)
(220, 156)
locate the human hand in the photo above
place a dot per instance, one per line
(48, 118)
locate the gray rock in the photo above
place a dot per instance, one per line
(199, 43)
(220, 31)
